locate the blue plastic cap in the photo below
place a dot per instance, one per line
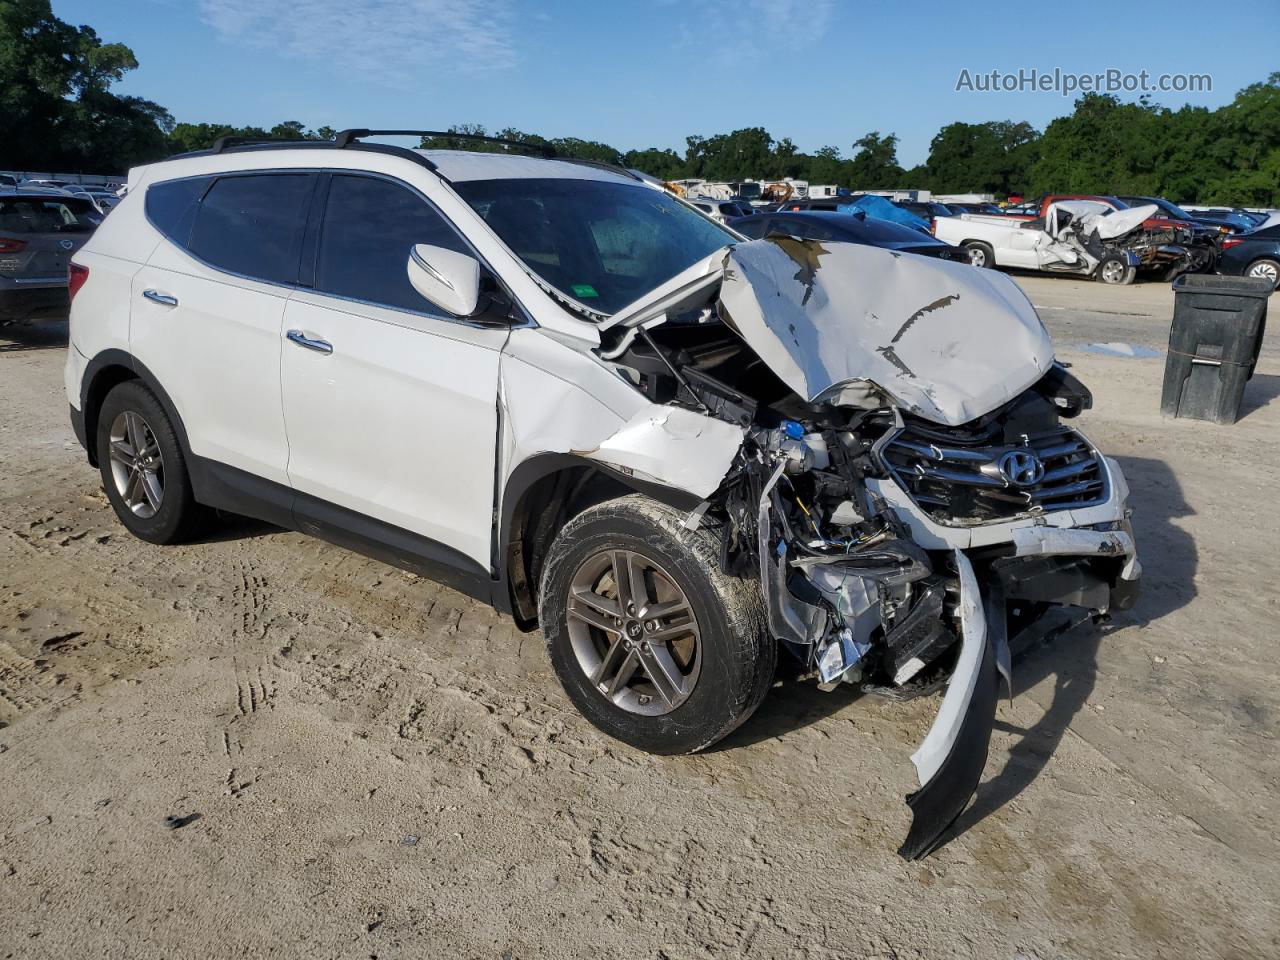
(792, 429)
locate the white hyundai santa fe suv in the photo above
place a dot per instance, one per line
(557, 388)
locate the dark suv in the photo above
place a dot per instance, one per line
(38, 234)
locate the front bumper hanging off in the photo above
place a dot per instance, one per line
(950, 760)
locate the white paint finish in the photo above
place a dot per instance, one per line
(554, 401)
(399, 422)
(1059, 541)
(447, 278)
(217, 355)
(941, 737)
(677, 447)
(947, 342)
(99, 318)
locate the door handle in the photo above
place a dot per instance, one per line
(155, 296)
(302, 340)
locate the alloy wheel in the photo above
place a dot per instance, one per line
(137, 466)
(634, 632)
(1266, 271)
(977, 257)
(1113, 271)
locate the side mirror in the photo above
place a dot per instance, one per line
(449, 279)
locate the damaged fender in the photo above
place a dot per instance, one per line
(950, 759)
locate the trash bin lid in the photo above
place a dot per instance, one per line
(1232, 286)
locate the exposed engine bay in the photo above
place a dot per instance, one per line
(906, 489)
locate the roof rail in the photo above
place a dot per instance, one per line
(222, 143)
(347, 137)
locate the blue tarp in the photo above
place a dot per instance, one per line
(882, 209)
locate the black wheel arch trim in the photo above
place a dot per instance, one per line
(541, 467)
(90, 403)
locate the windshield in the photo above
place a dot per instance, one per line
(603, 243)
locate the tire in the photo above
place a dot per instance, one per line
(1115, 271)
(725, 659)
(980, 254)
(151, 495)
(1265, 268)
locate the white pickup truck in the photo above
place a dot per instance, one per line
(1074, 236)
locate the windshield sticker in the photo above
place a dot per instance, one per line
(584, 290)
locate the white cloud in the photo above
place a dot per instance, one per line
(389, 37)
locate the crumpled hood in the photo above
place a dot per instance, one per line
(947, 341)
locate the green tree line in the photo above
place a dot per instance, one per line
(58, 112)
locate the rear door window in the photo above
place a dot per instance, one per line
(369, 227)
(252, 225)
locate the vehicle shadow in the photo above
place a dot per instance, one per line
(791, 704)
(228, 527)
(1258, 392)
(1168, 583)
(37, 335)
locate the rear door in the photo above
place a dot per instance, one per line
(390, 405)
(208, 306)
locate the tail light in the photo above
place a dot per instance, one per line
(76, 276)
(1229, 242)
(9, 245)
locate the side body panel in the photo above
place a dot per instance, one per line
(399, 422)
(218, 353)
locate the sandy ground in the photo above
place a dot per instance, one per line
(369, 765)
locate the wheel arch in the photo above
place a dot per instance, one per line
(109, 369)
(540, 496)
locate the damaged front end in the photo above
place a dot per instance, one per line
(906, 489)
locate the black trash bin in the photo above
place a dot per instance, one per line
(1218, 324)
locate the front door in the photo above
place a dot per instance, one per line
(390, 405)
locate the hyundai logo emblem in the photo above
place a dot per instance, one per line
(66, 244)
(1022, 468)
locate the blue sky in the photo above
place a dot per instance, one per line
(650, 72)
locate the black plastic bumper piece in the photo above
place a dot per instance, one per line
(1125, 594)
(939, 803)
(77, 424)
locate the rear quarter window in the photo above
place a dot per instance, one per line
(171, 207)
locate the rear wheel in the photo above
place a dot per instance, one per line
(980, 254)
(1265, 269)
(143, 471)
(653, 643)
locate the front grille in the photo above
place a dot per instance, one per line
(956, 476)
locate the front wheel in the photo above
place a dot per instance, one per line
(651, 640)
(1115, 270)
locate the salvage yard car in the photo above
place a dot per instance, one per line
(563, 391)
(1075, 236)
(39, 232)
